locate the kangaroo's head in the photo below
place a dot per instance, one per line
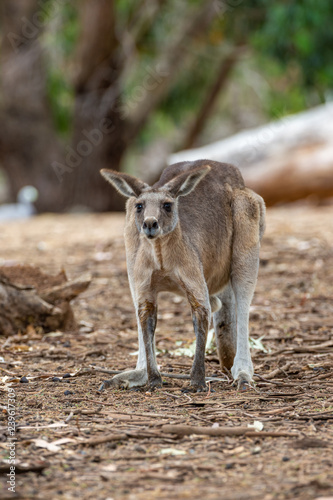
(155, 209)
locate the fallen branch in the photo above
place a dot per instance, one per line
(104, 439)
(124, 436)
(278, 383)
(21, 468)
(115, 372)
(78, 411)
(323, 348)
(187, 430)
(277, 371)
(163, 374)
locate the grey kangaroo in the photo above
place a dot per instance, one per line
(196, 233)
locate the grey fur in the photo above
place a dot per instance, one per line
(195, 233)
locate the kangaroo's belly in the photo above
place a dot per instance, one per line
(217, 271)
(217, 282)
(166, 282)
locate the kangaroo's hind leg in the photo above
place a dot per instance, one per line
(225, 326)
(248, 218)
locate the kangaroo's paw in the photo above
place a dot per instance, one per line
(127, 380)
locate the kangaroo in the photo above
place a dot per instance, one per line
(196, 232)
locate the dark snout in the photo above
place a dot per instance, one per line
(150, 227)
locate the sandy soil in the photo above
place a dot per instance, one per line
(292, 313)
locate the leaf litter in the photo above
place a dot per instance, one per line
(274, 442)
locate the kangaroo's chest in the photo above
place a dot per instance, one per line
(162, 268)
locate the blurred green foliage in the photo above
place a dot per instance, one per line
(289, 45)
(299, 34)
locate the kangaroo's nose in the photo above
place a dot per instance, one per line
(150, 223)
(150, 227)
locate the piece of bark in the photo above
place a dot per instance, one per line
(30, 297)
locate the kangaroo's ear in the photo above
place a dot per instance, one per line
(184, 183)
(127, 185)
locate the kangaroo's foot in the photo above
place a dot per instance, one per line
(198, 387)
(155, 382)
(198, 383)
(127, 380)
(242, 372)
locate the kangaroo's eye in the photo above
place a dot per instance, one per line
(139, 207)
(167, 206)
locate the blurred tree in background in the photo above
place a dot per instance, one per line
(89, 84)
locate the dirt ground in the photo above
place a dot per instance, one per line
(62, 420)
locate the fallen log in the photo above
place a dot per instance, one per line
(30, 297)
(283, 161)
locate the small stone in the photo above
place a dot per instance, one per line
(111, 446)
(24, 380)
(67, 344)
(139, 449)
(42, 246)
(56, 379)
(86, 329)
(67, 393)
(285, 459)
(67, 375)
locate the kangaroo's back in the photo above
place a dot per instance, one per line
(206, 209)
(220, 173)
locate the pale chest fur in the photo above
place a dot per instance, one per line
(159, 262)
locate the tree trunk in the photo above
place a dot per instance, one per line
(208, 105)
(170, 63)
(30, 150)
(27, 138)
(104, 126)
(99, 139)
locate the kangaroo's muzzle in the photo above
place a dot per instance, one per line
(150, 227)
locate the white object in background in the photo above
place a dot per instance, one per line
(23, 208)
